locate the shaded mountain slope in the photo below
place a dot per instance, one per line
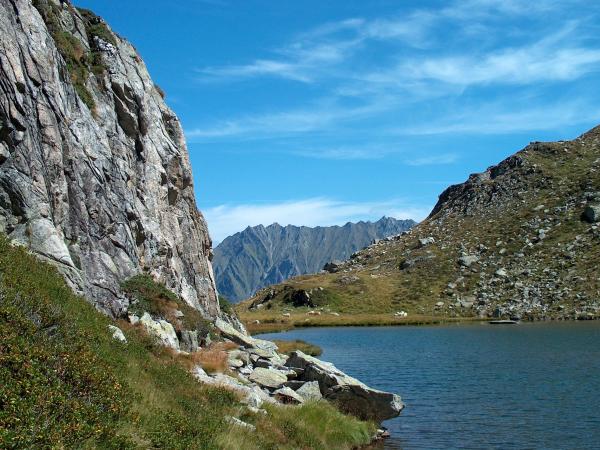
(260, 256)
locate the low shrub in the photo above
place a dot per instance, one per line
(151, 296)
(225, 305)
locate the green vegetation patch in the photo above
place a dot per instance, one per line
(66, 383)
(315, 425)
(56, 389)
(288, 347)
(80, 62)
(225, 305)
(149, 296)
(96, 27)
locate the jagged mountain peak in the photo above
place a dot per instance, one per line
(259, 256)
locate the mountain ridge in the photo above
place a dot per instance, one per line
(262, 255)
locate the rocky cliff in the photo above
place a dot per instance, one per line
(260, 256)
(94, 170)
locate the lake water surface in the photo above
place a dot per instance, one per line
(525, 386)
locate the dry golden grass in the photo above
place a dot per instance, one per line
(212, 359)
(270, 324)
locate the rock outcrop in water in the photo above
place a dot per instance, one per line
(261, 374)
(94, 170)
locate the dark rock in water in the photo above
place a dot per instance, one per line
(349, 394)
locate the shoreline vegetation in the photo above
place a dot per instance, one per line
(275, 323)
(286, 347)
(263, 322)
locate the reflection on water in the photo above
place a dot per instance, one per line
(478, 386)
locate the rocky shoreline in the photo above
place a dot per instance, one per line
(260, 375)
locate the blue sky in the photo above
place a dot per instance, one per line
(316, 113)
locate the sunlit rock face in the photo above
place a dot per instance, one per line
(94, 170)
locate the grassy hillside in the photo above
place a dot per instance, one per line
(520, 224)
(66, 383)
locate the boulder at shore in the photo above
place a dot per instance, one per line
(348, 393)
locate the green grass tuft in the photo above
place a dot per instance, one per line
(288, 347)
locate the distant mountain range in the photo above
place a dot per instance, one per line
(260, 256)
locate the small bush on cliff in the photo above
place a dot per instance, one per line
(96, 27)
(153, 297)
(225, 305)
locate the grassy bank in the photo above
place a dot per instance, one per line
(272, 321)
(66, 383)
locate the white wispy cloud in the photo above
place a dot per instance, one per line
(302, 120)
(225, 220)
(309, 55)
(548, 59)
(362, 152)
(421, 66)
(498, 119)
(433, 160)
(302, 61)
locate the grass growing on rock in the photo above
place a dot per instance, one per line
(152, 297)
(288, 347)
(66, 383)
(80, 62)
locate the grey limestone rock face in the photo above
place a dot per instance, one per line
(349, 394)
(103, 193)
